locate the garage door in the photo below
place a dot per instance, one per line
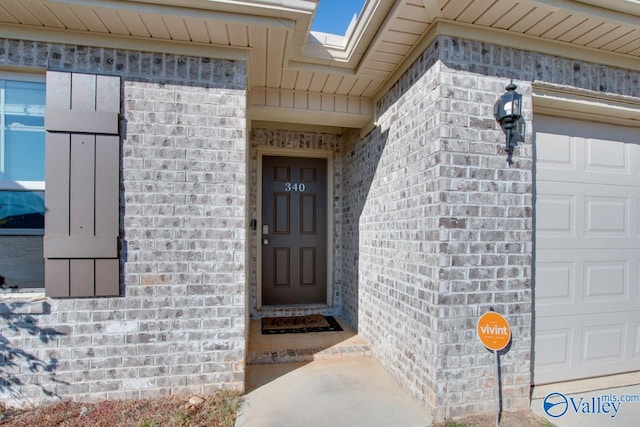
(587, 250)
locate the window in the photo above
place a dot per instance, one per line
(22, 171)
(22, 156)
(22, 139)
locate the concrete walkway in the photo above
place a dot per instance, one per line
(349, 392)
(332, 382)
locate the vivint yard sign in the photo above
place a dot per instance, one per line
(494, 331)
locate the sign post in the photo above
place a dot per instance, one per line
(495, 333)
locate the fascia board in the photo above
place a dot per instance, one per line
(298, 127)
(271, 8)
(375, 42)
(348, 52)
(290, 115)
(580, 103)
(239, 16)
(631, 7)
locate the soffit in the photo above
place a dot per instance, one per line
(318, 76)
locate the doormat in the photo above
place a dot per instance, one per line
(299, 324)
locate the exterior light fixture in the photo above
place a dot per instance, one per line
(507, 111)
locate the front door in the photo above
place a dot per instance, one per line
(294, 230)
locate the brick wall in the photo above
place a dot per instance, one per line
(391, 228)
(485, 237)
(441, 232)
(486, 250)
(438, 229)
(179, 326)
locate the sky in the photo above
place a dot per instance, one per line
(334, 16)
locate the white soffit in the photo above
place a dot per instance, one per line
(285, 57)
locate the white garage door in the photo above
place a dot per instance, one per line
(587, 250)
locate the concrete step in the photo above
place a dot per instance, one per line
(307, 354)
(306, 347)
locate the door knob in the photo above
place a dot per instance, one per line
(265, 242)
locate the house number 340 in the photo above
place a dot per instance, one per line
(294, 187)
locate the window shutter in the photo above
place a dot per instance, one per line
(82, 185)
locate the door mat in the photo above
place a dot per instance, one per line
(299, 324)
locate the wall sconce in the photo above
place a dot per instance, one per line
(507, 111)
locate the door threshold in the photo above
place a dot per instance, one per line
(295, 310)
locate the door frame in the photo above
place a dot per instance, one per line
(294, 152)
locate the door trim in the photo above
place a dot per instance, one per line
(293, 152)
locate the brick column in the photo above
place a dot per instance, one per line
(438, 229)
(486, 233)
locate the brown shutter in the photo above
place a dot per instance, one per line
(82, 185)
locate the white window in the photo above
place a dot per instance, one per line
(22, 171)
(22, 136)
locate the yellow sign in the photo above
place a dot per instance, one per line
(494, 331)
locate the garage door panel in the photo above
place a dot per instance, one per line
(583, 346)
(554, 349)
(577, 281)
(553, 346)
(554, 283)
(555, 215)
(594, 153)
(603, 344)
(587, 216)
(635, 283)
(587, 250)
(635, 218)
(607, 338)
(636, 339)
(565, 127)
(555, 152)
(594, 178)
(606, 281)
(607, 216)
(609, 157)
